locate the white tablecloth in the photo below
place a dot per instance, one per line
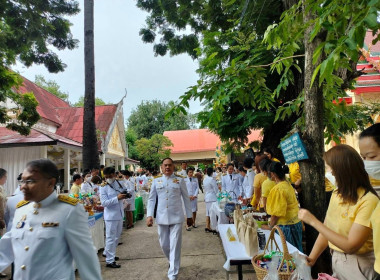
(217, 216)
(97, 233)
(235, 250)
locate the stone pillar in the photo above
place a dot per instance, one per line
(79, 166)
(122, 163)
(103, 159)
(66, 166)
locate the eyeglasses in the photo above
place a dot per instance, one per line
(27, 182)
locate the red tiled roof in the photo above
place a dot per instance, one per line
(47, 102)
(72, 121)
(368, 42)
(36, 137)
(198, 140)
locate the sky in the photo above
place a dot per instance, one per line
(122, 61)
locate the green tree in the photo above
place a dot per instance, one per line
(98, 102)
(149, 119)
(152, 151)
(28, 30)
(51, 86)
(130, 139)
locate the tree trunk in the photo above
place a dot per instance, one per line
(90, 143)
(313, 169)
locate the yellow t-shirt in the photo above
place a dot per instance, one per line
(275, 159)
(294, 172)
(374, 182)
(329, 187)
(375, 222)
(75, 189)
(282, 202)
(257, 183)
(340, 216)
(266, 187)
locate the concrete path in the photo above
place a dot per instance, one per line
(141, 256)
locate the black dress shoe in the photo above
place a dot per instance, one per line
(120, 243)
(113, 265)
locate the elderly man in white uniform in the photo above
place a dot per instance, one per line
(111, 196)
(169, 189)
(49, 232)
(230, 183)
(193, 190)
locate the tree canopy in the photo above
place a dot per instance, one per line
(51, 86)
(149, 119)
(98, 102)
(130, 139)
(152, 151)
(29, 31)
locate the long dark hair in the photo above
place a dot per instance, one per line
(348, 168)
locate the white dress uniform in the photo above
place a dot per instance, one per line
(46, 238)
(193, 190)
(211, 189)
(169, 218)
(131, 189)
(87, 187)
(247, 187)
(230, 184)
(182, 173)
(113, 217)
(10, 208)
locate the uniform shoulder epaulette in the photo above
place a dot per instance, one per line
(68, 199)
(158, 176)
(22, 203)
(179, 175)
(103, 184)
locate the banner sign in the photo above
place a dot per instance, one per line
(293, 149)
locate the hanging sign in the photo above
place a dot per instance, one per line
(293, 149)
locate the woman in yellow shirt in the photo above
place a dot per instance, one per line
(347, 227)
(258, 181)
(268, 152)
(282, 205)
(268, 184)
(369, 144)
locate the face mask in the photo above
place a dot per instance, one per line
(373, 168)
(110, 180)
(331, 178)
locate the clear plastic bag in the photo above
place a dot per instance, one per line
(303, 271)
(273, 269)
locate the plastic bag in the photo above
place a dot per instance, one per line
(272, 269)
(324, 276)
(303, 271)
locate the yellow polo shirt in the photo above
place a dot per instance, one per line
(375, 222)
(340, 216)
(282, 202)
(75, 189)
(257, 183)
(266, 187)
(294, 172)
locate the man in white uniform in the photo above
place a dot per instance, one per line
(193, 190)
(169, 189)
(49, 232)
(183, 172)
(111, 197)
(247, 190)
(230, 183)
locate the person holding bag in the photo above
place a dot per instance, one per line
(347, 226)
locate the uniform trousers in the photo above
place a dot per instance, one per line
(170, 237)
(113, 232)
(350, 267)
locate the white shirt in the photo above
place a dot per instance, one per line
(230, 184)
(113, 208)
(247, 186)
(210, 188)
(192, 186)
(51, 250)
(169, 190)
(87, 188)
